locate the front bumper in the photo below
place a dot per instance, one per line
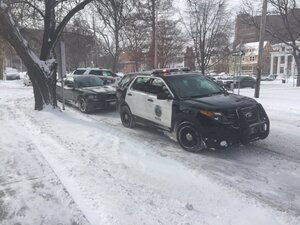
(252, 123)
(102, 104)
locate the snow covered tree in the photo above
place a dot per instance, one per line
(54, 14)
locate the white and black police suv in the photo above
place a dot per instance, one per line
(199, 112)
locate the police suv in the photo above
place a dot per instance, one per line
(199, 112)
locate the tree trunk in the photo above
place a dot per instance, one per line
(41, 73)
(44, 86)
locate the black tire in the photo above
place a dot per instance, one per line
(189, 137)
(126, 117)
(83, 105)
(253, 86)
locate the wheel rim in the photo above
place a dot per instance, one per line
(126, 118)
(82, 105)
(189, 137)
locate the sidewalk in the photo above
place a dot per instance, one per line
(30, 192)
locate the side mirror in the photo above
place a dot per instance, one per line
(164, 96)
(70, 85)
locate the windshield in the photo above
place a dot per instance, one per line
(193, 86)
(88, 81)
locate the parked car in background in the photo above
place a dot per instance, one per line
(109, 77)
(240, 82)
(87, 92)
(26, 80)
(11, 74)
(269, 77)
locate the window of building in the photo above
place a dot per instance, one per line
(252, 58)
(282, 49)
(281, 70)
(282, 59)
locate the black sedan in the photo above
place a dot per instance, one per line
(87, 92)
(240, 82)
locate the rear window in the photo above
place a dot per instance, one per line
(79, 72)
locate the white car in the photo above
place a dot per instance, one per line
(11, 74)
(112, 78)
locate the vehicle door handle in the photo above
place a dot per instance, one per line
(150, 100)
(129, 94)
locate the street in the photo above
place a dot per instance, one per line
(89, 169)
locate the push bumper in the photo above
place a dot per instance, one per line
(252, 124)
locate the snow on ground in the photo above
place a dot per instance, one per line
(91, 167)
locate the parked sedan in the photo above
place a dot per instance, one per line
(240, 81)
(11, 74)
(87, 92)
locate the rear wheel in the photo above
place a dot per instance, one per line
(126, 117)
(189, 137)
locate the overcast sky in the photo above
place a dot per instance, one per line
(232, 3)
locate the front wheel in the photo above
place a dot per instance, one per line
(83, 105)
(189, 138)
(126, 117)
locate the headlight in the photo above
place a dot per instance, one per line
(93, 97)
(214, 115)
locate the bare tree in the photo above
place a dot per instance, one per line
(208, 24)
(42, 69)
(170, 41)
(114, 15)
(153, 11)
(80, 44)
(287, 27)
(137, 37)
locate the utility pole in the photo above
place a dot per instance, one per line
(154, 32)
(95, 44)
(61, 57)
(1, 59)
(261, 47)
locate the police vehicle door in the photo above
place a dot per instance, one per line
(159, 111)
(136, 96)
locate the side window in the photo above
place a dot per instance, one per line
(95, 72)
(140, 84)
(157, 86)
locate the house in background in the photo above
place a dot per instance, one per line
(247, 63)
(282, 60)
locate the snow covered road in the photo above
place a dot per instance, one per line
(121, 176)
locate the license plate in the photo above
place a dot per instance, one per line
(113, 103)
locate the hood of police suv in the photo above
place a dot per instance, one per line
(219, 102)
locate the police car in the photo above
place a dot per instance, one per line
(199, 112)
